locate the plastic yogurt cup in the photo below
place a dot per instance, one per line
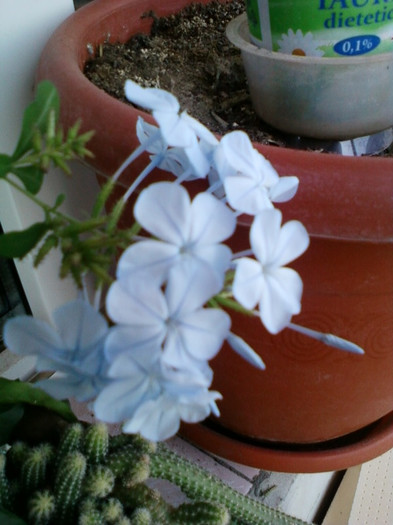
(322, 28)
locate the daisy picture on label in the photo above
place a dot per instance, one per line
(298, 44)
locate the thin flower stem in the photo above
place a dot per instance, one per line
(40, 203)
(244, 253)
(135, 154)
(214, 186)
(327, 339)
(143, 174)
(184, 176)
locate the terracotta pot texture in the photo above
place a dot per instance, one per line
(309, 392)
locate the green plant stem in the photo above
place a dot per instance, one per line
(198, 484)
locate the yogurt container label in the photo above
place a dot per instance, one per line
(322, 28)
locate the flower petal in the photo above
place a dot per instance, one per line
(198, 336)
(292, 241)
(248, 282)
(280, 298)
(132, 300)
(246, 195)
(163, 209)
(80, 326)
(143, 343)
(212, 220)
(155, 420)
(264, 233)
(151, 98)
(25, 335)
(189, 287)
(284, 189)
(154, 257)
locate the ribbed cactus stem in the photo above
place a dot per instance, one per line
(129, 464)
(143, 496)
(5, 500)
(68, 483)
(17, 455)
(95, 443)
(35, 466)
(70, 441)
(41, 508)
(138, 443)
(200, 513)
(200, 485)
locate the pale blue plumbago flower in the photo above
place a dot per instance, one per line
(151, 398)
(178, 130)
(74, 347)
(174, 318)
(173, 159)
(186, 231)
(250, 181)
(266, 281)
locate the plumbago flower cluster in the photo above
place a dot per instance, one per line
(149, 366)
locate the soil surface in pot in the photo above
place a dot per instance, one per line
(189, 55)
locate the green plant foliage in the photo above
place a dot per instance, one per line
(9, 417)
(17, 392)
(36, 117)
(20, 243)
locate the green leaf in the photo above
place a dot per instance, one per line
(7, 518)
(36, 116)
(5, 165)
(31, 176)
(19, 243)
(16, 392)
(8, 419)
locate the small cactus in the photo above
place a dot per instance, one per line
(35, 467)
(41, 508)
(200, 513)
(141, 516)
(68, 484)
(70, 441)
(96, 443)
(112, 510)
(99, 482)
(5, 500)
(92, 479)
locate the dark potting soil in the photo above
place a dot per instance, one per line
(189, 55)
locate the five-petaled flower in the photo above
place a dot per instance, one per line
(74, 347)
(250, 181)
(185, 231)
(266, 281)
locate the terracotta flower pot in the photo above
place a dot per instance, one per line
(309, 393)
